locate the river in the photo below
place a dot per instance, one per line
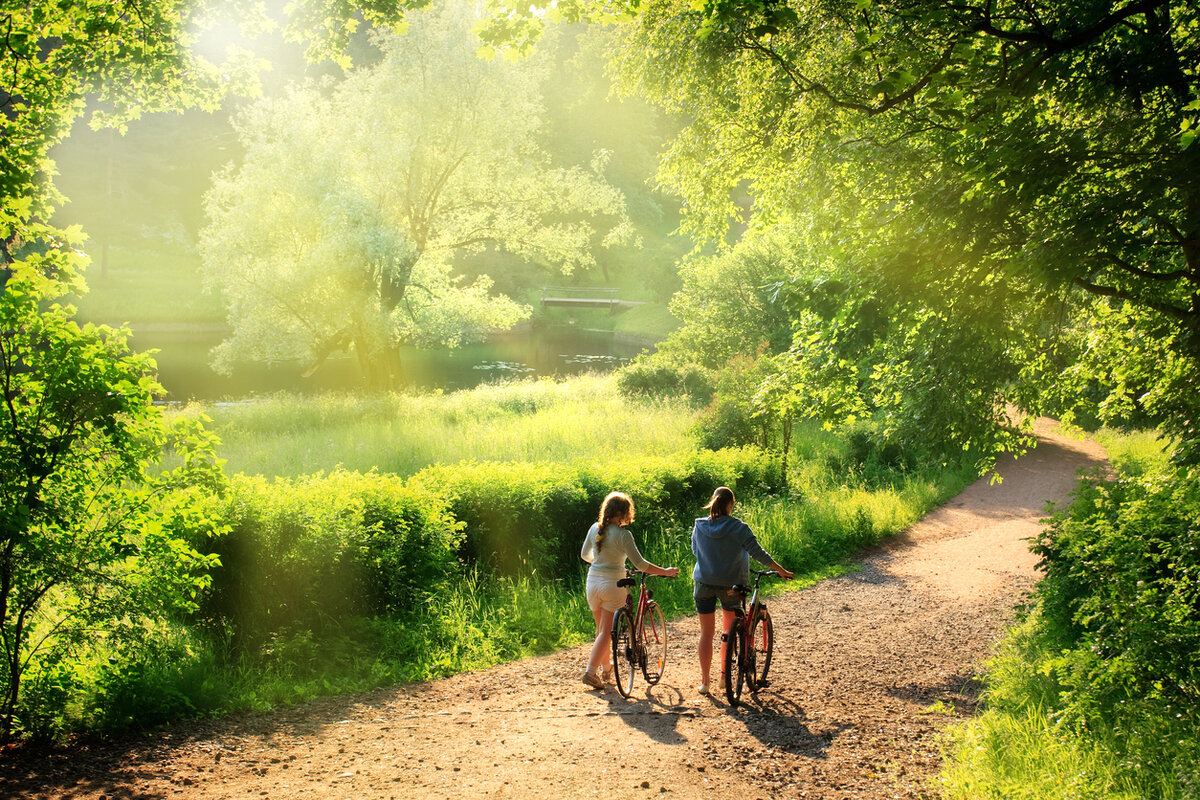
(184, 371)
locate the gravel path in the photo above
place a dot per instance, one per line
(869, 668)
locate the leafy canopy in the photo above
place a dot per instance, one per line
(957, 159)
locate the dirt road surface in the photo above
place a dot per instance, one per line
(868, 669)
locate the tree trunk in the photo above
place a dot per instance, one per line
(381, 368)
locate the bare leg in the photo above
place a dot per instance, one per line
(602, 647)
(727, 618)
(704, 649)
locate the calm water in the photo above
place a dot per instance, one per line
(183, 360)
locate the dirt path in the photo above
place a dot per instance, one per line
(860, 663)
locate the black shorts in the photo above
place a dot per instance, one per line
(706, 598)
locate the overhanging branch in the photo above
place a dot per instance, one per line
(1181, 314)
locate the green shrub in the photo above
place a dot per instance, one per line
(1122, 574)
(521, 518)
(641, 379)
(727, 422)
(304, 554)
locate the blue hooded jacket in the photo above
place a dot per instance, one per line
(722, 547)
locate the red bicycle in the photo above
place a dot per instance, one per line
(639, 637)
(749, 644)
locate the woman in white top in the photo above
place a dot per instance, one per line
(606, 548)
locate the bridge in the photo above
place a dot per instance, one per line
(585, 297)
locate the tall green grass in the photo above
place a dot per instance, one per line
(1021, 747)
(580, 420)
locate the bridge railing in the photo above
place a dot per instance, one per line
(579, 293)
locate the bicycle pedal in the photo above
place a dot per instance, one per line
(763, 684)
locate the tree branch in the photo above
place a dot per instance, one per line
(1133, 269)
(1181, 314)
(1042, 38)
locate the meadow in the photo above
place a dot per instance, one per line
(574, 421)
(372, 540)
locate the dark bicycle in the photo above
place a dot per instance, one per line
(749, 643)
(639, 636)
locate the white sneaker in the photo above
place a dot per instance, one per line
(702, 688)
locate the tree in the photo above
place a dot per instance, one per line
(957, 158)
(339, 229)
(85, 540)
(90, 549)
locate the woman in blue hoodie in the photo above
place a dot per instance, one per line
(722, 545)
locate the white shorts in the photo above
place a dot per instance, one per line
(602, 590)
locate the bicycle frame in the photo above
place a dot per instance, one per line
(644, 596)
(747, 616)
(633, 646)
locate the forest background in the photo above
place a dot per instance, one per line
(913, 227)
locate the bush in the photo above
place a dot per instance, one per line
(1122, 575)
(727, 422)
(642, 379)
(304, 554)
(522, 518)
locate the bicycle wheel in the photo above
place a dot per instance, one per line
(762, 643)
(735, 677)
(654, 644)
(624, 651)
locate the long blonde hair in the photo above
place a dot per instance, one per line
(617, 508)
(721, 503)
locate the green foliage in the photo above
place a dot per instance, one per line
(988, 174)
(1122, 574)
(727, 306)
(55, 56)
(1135, 369)
(731, 419)
(309, 553)
(939, 367)
(648, 379)
(523, 518)
(86, 542)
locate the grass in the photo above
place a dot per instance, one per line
(581, 419)
(650, 321)
(1021, 748)
(1133, 452)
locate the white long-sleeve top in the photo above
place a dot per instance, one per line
(618, 545)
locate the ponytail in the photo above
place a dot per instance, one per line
(721, 503)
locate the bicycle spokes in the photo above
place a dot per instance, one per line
(624, 651)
